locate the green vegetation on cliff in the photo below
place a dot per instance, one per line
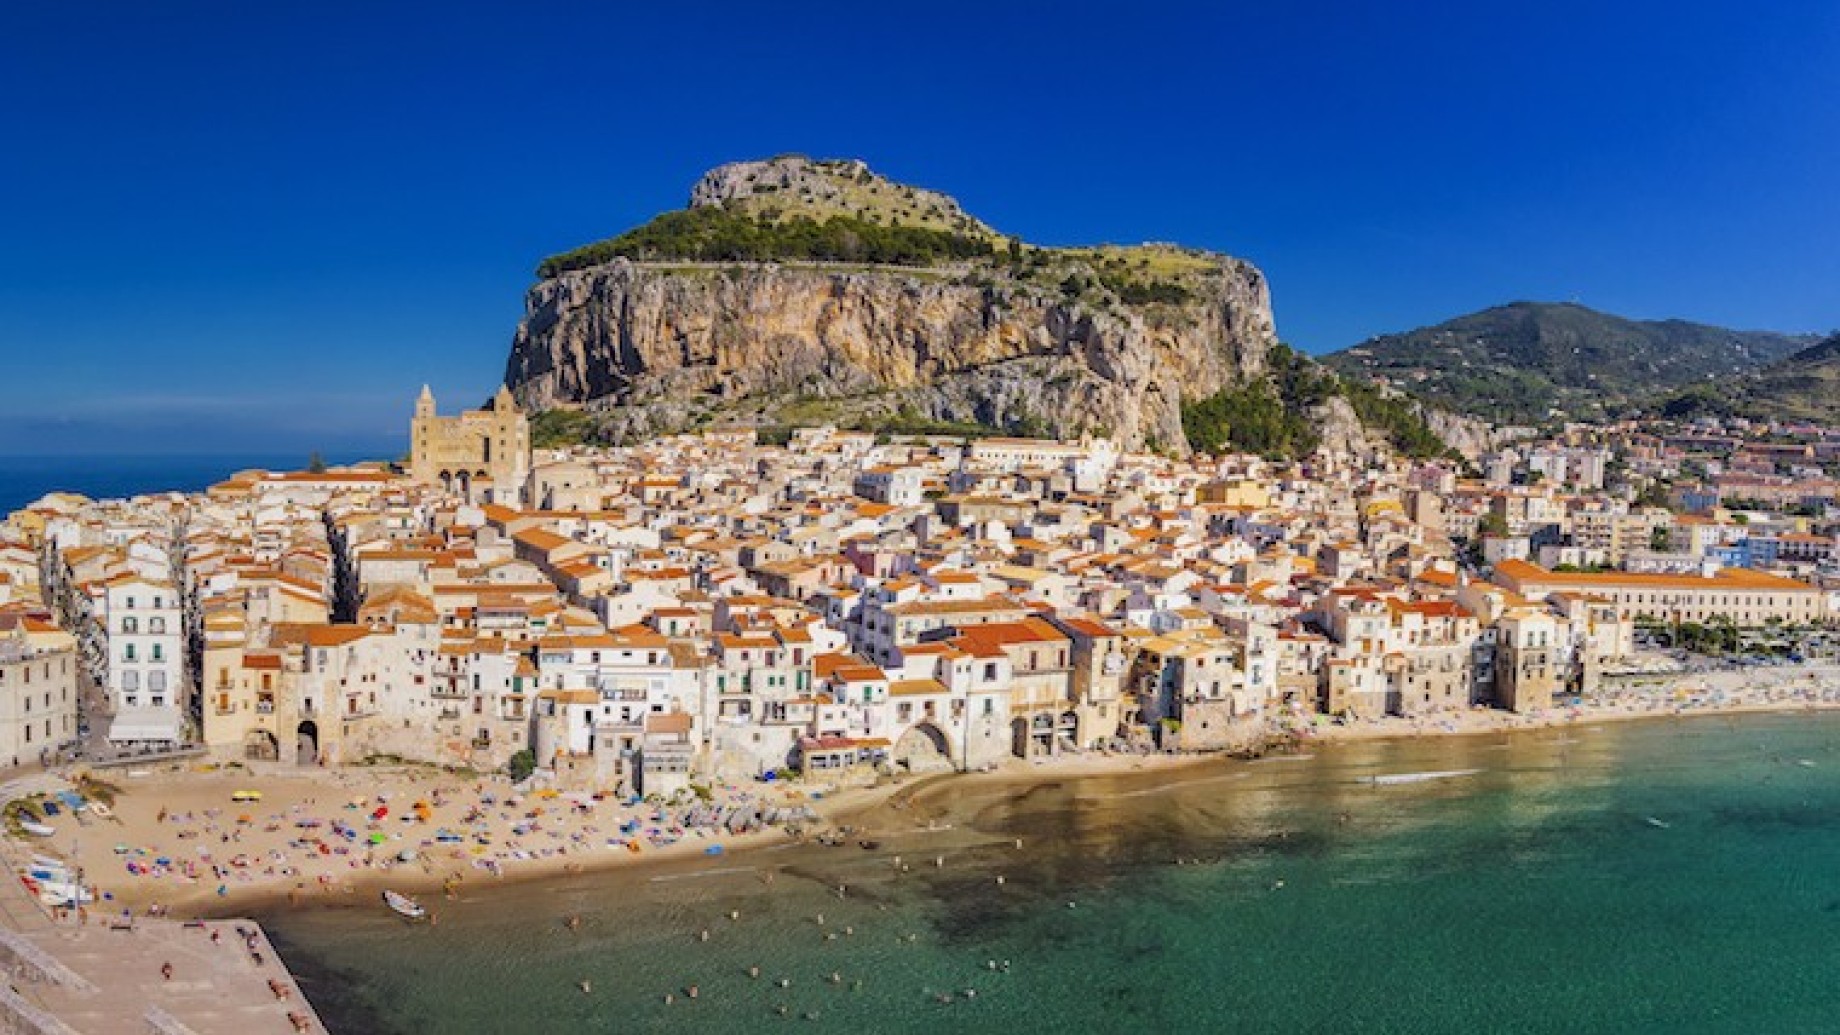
(1275, 417)
(1396, 418)
(724, 234)
(553, 429)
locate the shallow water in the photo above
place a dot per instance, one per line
(1671, 876)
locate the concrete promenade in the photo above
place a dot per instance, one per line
(107, 976)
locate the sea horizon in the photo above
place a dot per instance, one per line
(26, 477)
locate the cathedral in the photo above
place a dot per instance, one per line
(481, 455)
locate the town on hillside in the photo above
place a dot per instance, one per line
(706, 607)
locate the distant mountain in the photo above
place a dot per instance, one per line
(1803, 386)
(1528, 361)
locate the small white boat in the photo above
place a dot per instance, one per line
(37, 829)
(101, 810)
(404, 906)
(1399, 778)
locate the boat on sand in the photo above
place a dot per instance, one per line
(404, 906)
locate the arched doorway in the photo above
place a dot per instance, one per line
(447, 481)
(463, 484)
(306, 743)
(261, 746)
(923, 748)
(1041, 732)
(1019, 737)
(1070, 730)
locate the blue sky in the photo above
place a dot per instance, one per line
(238, 226)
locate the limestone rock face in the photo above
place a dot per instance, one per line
(669, 343)
(1470, 436)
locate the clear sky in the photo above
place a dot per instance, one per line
(232, 226)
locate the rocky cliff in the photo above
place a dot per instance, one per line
(1046, 341)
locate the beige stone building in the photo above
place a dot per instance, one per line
(38, 689)
(1744, 597)
(482, 455)
(1527, 650)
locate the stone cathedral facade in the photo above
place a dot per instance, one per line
(482, 455)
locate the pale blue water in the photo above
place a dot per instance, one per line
(24, 479)
(1533, 896)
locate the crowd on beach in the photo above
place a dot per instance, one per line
(189, 834)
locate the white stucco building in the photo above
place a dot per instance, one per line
(144, 630)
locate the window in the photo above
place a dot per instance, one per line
(127, 652)
(130, 681)
(156, 682)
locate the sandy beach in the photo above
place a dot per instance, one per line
(188, 840)
(178, 838)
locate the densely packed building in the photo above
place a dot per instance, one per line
(707, 606)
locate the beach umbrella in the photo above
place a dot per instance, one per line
(376, 839)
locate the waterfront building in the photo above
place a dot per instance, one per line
(38, 689)
(702, 607)
(1743, 597)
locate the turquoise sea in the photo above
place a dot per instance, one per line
(1667, 876)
